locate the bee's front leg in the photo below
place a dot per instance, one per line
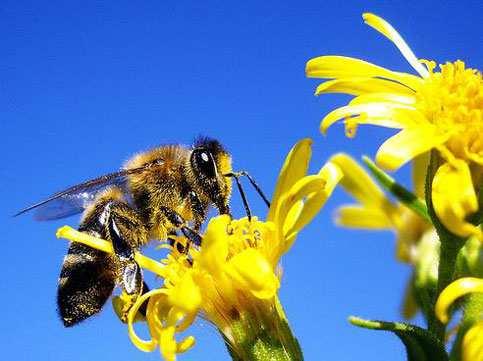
(178, 221)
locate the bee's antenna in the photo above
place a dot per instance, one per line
(256, 186)
(242, 193)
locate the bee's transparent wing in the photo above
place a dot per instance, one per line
(75, 199)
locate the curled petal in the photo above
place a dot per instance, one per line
(455, 290)
(332, 66)
(384, 114)
(407, 144)
(294, 168)
(143, 345)
(362, 85)
(251, 270)
(389, 32)
(454, 197)
(472, 347)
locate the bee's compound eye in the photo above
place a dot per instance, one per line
(205, 163)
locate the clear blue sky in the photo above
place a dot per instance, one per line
(84, 84)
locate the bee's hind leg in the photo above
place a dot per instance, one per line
(123, 237)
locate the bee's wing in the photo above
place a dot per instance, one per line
(75, 199)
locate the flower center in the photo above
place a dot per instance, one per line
(243, 234)
(452, 99)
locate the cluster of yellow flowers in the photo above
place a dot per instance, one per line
(439, 112)
(233, 279)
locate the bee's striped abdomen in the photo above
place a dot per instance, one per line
(86, 281)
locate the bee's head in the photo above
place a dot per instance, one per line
(209, 162)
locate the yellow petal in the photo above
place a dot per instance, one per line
(167, 344)
(420, 167)
(361, 217)
(186, 344)
(358, 183)
(362, 85)
(252, 272)
(385, 97)
(454, 197)
(409, 306)
(472, 346)
(295, 167)
(331, 174)
(407, 144)
(146, 346)
(455, 290)
(388, 31)
(332, 66)
(301, 189)
(384, 114)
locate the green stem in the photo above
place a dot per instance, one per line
(262, 335)
(451, 244)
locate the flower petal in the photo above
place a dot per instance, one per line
(147, 346)
(455, 290)
(362, 217)
(420, 167)
(295, 167)
(332, 66)
(332, 174)
(358, 183)
(454, 197)
(472, 347)
(362, 85)
(407, 144)
(251, 270)
(383, 114)
(299, 191)
(389, 32)
(382, 97)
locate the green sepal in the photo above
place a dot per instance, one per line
(406, 197)
(420, 344)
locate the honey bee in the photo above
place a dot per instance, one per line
(157, 194)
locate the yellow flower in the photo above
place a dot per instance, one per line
(472, 345)
(234, 277)
(234, 274)
(416, 241)
(440, 110)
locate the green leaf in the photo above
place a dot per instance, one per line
(420, 344)
(401, 193)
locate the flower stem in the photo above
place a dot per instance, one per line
(451, 244)
(262, 335)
